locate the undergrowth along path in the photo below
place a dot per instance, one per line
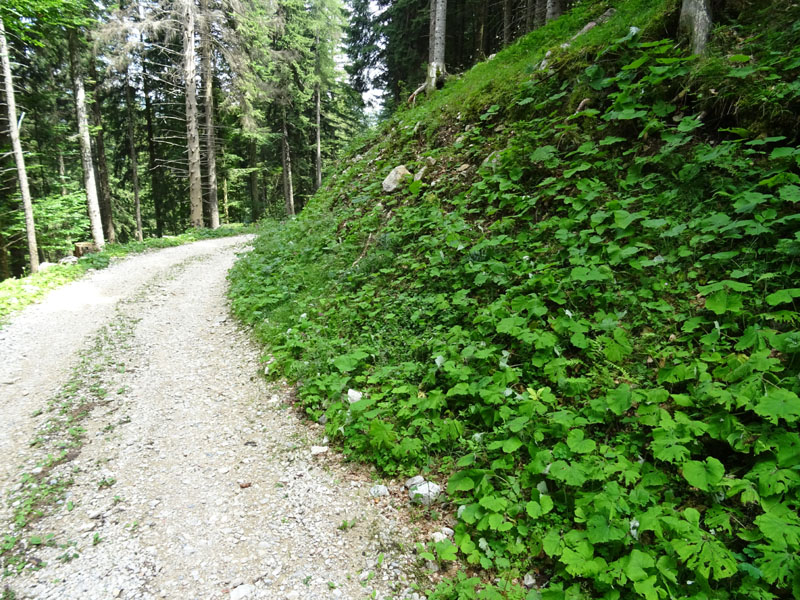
(186, 475)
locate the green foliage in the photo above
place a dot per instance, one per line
(592, 334)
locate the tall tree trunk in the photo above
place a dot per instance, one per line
(695, 23)
(554, 9)
(85, 143)
(255, 203)
(134, 159)
(101, 166)
(192, 135)
(540, 17)
(431, 29)
(318, 157)
(225, 199)
(208, 104)
(530, 15)
(480, 34)
(19, 158)
(152, 157)
(288, 186)
(506, 22)
(437, 68)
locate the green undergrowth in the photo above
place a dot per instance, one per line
(583, 318)
(16, 294)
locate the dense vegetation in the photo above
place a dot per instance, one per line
(583, 315)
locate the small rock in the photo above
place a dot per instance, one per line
(318, 450)
(68, 260)
(323, 419)
(464, 167)
(448, 532)
(420, 174)
(492, 161)
(43, 266)
(425, 493)
(438, 536)
(376, 491)
(354, 395)
(416, 480)
(529, 580)
(241, 592)
(395, 178)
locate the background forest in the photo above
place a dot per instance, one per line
(154, 112)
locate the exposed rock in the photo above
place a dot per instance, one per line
(416, 480)
(395, 178)
(241, 592)
(529, 580)
(354, 395)
(492, 161)
(318, 450)
(425, 493)
(43, 266)
(420, 174)
(376, 491)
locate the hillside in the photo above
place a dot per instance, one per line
(581, 314)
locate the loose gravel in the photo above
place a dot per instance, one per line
(195, 478)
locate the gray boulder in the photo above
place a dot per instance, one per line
(395, 178)
(425, 493)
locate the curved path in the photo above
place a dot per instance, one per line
(194, 478)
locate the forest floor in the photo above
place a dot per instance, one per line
(187, 475)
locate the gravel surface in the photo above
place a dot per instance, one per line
(194, 478)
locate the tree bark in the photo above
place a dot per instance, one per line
(208, 103)
(255, 204)
(288, 186)
(530, 15)
(554, 9)
(19, 158)
(318, 157)
(225, 199)
(480, 34)
(101, 166)
(436, 67)
(695, 23)
(134, 159)
(506, 22)
(152, 157)
(192, 135)
(85, 143)
(540, 16)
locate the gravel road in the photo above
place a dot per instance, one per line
(191, 477)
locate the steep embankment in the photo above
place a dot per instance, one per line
(583, 316)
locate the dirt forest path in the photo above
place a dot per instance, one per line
(191, 477)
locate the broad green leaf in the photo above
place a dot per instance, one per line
(779, 403)
(348, 362)
(783, 296)
(459, 482)
(723, 301)
(619, 400)
(518, 424)
(704, 475)
(790, 193)
(512, 445)
(578, 444)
